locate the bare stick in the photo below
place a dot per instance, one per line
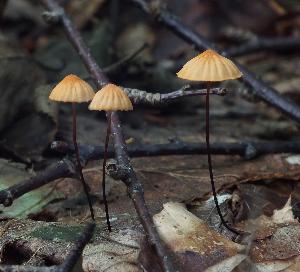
(247, 150)
(139, 96)
(61, 169)
(126, 59)
(261, 44)
(259, 88)
(79, 167)
(130, 179)
(64, 168)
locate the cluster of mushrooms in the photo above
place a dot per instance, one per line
(207, 67)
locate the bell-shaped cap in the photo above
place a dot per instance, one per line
(72, 89)
(111, 98)
(209, 66)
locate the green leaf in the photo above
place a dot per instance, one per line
(32, 202)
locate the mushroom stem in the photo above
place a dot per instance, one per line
(210, 163)
(79, 167)
(103, 169)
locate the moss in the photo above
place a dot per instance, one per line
(50, 233)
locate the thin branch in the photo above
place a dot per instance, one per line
(248, 150)
(66, 168)
(135, 189)
(237, 34)
(260, 44)
(61, 169)
(139, 96)
(260, 89)
(117, 65)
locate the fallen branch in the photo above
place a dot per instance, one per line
(61, 169)
(117, 65)
(65, 168)
(134, 187)
(139, 96)
(248, 150)
(260, 44)
(260, 89)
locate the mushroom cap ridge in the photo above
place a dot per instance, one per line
(209, 66)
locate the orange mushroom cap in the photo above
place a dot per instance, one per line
(209, 66)
(111, 98)
(72, 89)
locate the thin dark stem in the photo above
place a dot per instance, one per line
(104, 168)
(79, 167)
(207, 132)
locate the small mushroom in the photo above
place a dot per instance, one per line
(74, 90)
(210, 67)
(109, 98)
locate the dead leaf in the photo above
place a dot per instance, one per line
(32, 202)
(276, 242)
(197, 247)
(117, 252)
(285, 215)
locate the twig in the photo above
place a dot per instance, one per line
(260, 89)
(115, 66)
(64, 168)
(135, 189)
(139, 96)
(253, 43)
(237, 34)
(61, 169)
(247, 150)
(260, 44)
(75, 253)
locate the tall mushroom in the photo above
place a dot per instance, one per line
(210, 67)
(74, 90)
(109, 98)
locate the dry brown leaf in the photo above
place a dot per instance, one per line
(285, 215)
(197, 247)
(276, 242)
(116, 253)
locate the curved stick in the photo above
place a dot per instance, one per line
(79, 167)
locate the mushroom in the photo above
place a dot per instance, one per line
(74, 90)
(210, 67)
(109, 98)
